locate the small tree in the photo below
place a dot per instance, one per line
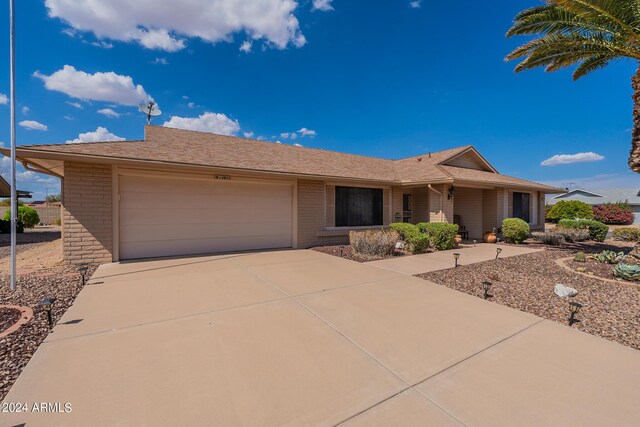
(570, 209)
(54, 198)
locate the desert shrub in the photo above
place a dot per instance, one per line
(597, 230)
(26, 215)
(381, 243)
(613, 213)
(627, 271)
(441, 234)
(548, 238)
(580, 257)
(628, 234)
(570, 209)
(573, 234)
(515, 230)
(609, 257)
(418, 241)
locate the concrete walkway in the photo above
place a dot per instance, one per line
(303, 338)
(443, 260)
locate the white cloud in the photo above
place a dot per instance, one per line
(161, 61)
(165, 25)
(206, 122)
(25, 110)
(75, 105)
(103, 44)
(415, 4)
(109, 87)
(191, 105)
(32, 125)
(298, 145)
(100, 135)
(4, 99)
(293, 135)
(248, 134)
(324, 5)
(246, 46)
(69, 117)
(30, 181)
(567, 159)
(284, 135)
(108, 112)
(307, 132)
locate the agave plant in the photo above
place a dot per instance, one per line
(589, 33)
(609, 257)
(627, 271)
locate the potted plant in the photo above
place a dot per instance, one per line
(490, 236)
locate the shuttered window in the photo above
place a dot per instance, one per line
(358, 206)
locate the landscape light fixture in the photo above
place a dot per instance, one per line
(47, 306)
(498, 250)
(341, 251)
(82, 269)
(485, 287)
(474, 243)
(456, 255)
(574, 308)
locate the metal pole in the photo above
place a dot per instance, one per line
(14, 193)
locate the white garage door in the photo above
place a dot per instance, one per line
(175, 216)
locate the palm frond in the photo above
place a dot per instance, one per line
(549, 19)
(591, 64)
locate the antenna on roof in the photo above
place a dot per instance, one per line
(151, 109)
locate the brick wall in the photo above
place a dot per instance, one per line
(87, 213)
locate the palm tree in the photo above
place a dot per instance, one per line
(589, 33)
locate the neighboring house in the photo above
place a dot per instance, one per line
(599, 197)
(182, 192)
(5, 190)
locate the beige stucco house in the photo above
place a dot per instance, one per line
(181, 192)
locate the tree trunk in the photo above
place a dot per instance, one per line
(634, 155)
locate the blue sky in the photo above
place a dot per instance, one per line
(381, 78)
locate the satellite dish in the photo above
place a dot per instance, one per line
(150, 109)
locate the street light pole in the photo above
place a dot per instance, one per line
(14, 192)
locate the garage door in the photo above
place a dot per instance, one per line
(175, 216)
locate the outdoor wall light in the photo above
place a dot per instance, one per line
(82, 269)
(451, 192)
(485, 287)
(456, 256)
(574, 308)
(47, 305)
(498, 250)
(398, 217)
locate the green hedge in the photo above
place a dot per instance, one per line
(597, 230)
(417, 240)
(26, 215)
(441, 234)
(570, 209)
(515, 230)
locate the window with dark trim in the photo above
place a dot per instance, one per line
(358, 206)
(521, 206)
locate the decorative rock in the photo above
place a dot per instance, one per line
(564, 291)
(400, 245)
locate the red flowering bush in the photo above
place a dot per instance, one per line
(613, 213)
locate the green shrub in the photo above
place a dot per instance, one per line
(609, 257)
(378, 243)
(580, 257)
(570, 209)
(548, 238)
(628, 234)
(411, 234)
(26, 215)
(627, 271)
(441, 234)
(597, 230)
(515, 230)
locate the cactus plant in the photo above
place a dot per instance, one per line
(580, 257)
(609, 257)
(627, 271)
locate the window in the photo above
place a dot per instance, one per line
(406, 207)
(358, 206)
(521, 205)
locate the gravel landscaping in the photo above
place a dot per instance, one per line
(50, 279)
(526, 283)
(347, 252)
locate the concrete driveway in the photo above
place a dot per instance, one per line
(303, 338)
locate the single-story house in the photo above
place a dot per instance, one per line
(599, 197)
(182, 192)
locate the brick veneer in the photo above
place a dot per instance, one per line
(87, 213)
